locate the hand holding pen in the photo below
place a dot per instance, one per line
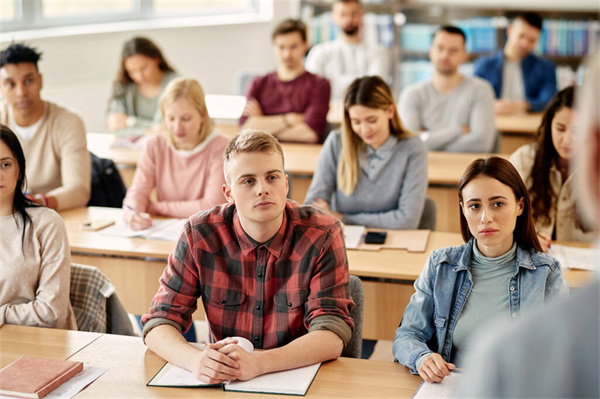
(136, 220)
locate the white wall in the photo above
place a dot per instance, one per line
(78, 70)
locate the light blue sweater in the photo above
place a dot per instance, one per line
(390, 192)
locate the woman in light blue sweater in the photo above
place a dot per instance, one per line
(373, 172)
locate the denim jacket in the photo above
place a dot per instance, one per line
(443, 288)
(539, 77)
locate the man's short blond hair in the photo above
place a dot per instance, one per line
(250, 140)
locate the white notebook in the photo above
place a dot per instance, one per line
(289, 382)
(574, 257)
(439, 390)
(161, 229)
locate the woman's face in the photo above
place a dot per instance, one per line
(183, 122)
(142, 69)
(9, 174)
(372, 125)
(562, 132)
(491, 210)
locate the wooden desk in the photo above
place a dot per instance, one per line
(131, 365)
(517, 130)
(135, 265)
(17, 341)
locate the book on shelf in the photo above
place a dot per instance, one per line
(36, 377)
(288, 382)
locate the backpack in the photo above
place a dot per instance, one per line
(108, 188)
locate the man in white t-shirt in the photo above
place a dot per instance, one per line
(349, 57)
(53, 138)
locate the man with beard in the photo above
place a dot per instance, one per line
(349, 57)
(521, 81)
(453, 112)
(290, 103)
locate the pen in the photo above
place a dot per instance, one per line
(136, 212)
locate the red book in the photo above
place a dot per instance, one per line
(36, 377)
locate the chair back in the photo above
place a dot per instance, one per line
(354, 347)
(429, 215)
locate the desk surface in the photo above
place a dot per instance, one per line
(444, 168)
(131, 365)
(386, 263)
(17, 341)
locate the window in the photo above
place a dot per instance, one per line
(17, 15)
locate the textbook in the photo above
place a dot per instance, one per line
(288, 382)
(161, 229)
(36, 377)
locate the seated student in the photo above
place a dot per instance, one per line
(143, 74)
(544, 166)
(374, 172)
(290, 103)
(183, 165)
(521, 81)
(349, 57)
(52, 137)
(501, 271)
(34, 250)
(266, 268)
(453, 112)
(556, 353)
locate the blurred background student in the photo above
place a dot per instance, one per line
(544, 166)
(373, 172)
(501, 272)
(34, 250)
(183, 164)
(143, 74)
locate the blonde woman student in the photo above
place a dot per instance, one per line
(373, 172)
(544, 166)
(35, 258)
(183, 163)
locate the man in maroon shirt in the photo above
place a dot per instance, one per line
(290, 103)
(267, 269)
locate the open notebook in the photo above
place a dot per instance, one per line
(161, 229)
(289, 382)
(574, 257)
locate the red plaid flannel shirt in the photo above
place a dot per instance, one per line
(268, 293)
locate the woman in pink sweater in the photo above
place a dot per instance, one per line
(184, 164)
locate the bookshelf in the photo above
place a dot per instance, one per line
(571, 28)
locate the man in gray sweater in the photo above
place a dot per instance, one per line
(452, 112)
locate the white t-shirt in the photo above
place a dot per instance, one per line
(512, 82)
(25, 133)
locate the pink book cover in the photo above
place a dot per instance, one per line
(36, 377)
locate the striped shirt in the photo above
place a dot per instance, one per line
(270, 293)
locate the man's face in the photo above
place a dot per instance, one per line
(447, 52)
(347, 17)
(258, 186)
(21, 85)
(522, 38)
(290, 49)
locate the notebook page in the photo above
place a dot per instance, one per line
(574, 257)
(353, 235)
(289, 382)
(442, 390)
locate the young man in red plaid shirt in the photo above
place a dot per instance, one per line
(267, 269)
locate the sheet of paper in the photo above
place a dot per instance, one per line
(574, 257)
(353, 235)
(73, 386)
(173, 376)
(291, 382)
(161, 229)
(442, 390)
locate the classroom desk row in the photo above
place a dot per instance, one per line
(131, 365)
(134, 266)
(444, 172)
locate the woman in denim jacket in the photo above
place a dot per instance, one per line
(501, 271)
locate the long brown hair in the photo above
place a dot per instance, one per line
(502, 170)
(372, 92)
(542, 195)
(137, 46)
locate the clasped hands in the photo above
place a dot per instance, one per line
(224, 361)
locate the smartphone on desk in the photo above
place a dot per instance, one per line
(375, 237)
(96, 224)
